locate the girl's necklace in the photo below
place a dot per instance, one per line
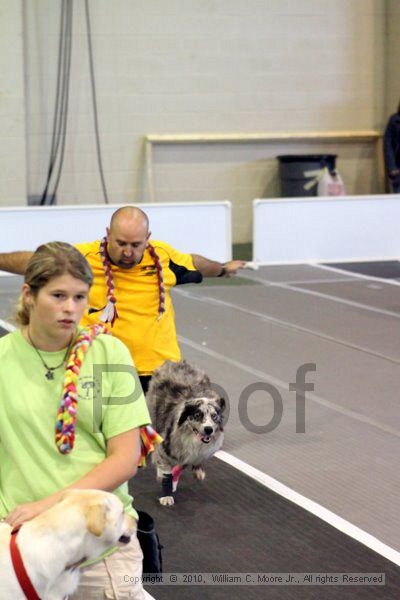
(49, 370)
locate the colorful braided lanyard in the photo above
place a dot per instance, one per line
(67, 412)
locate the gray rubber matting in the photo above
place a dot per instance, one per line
(261, 330)
(347, 459)
(231, 524)
(389, 269)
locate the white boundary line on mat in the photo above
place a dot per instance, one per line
(382, 280)
(313, 507)
(7, 326)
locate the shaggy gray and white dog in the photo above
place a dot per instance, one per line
(188, 414)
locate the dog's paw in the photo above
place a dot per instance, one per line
(167, 500)
(199, 473)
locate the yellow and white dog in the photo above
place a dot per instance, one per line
(80, 527)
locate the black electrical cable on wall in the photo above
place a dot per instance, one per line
(55, 140)
(94, 101)
(60, 117)
(61, 99)
(65, 92)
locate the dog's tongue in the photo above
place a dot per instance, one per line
(203, 437)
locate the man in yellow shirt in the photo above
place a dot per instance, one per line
(133, 276)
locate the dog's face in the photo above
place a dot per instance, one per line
(95, 516)
(106, 519)
(204, 417)
(104, 515)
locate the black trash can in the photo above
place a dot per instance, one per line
(292, 168)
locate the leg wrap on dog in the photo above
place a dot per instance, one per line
(166, 484)
(176, 473)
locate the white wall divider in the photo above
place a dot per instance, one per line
(295, 230)
(195, 227)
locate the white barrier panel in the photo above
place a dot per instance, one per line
(295, 230)
(200, 228)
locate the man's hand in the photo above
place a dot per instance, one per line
(233, 266)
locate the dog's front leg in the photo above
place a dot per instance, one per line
(165, 475)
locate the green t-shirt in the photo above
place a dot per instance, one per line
(31, 467)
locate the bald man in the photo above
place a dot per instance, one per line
(133, 276)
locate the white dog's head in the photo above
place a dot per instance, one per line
(91, 520)
(103, 515)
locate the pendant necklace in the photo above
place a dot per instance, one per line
(49, 370)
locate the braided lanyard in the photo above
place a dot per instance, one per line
(160, 280)
(66, 416)
(109, 311)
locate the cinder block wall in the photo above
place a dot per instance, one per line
(12, 105)
(212, 66)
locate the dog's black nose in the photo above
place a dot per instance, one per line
(124, 539)
(208, 430)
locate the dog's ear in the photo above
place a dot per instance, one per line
(176, 389)
(221, 403)
(95, 519)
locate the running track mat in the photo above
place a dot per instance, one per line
(232, 524)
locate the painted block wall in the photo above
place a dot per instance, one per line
(12, 105)
(203, 66)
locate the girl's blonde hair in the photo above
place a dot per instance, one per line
(48, 261)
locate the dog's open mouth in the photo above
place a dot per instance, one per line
(206, 439)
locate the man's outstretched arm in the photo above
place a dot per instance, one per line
(212, 268)
(14, 262)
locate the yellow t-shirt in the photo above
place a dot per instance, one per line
(151, 341)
